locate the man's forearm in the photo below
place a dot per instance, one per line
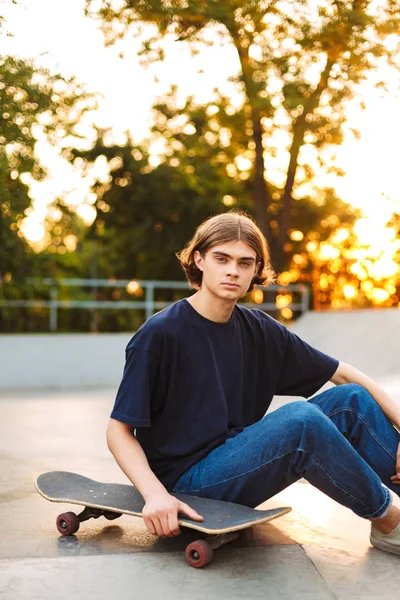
(348, 374)
(133, 462)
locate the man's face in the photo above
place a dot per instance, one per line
(227, 269)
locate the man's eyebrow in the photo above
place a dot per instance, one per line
(229, 256)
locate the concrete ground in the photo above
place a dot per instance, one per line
(318, 551)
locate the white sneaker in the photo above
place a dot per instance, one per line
(390, 542)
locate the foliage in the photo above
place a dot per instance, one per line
(358, 266)
(150, 205)
(35, 104)
(298, 67)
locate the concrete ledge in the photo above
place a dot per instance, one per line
(36, 361)
(367, 339)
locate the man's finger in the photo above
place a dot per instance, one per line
(165, 526)
(149, 524)
(173, 524)
(158, 526)
(190, 512)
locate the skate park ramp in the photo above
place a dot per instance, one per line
(367, 339)
(318, 551)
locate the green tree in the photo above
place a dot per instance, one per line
(146, 213)
(298, 67)
(33, 102)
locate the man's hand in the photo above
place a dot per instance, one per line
(160, 514)
(396, 478)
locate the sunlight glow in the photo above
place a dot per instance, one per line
(33, 230)
(87, 212)
(352, 262)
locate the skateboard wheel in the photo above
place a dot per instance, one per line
(199, 553)
(245, 537)
(67, 523)
(110, 516)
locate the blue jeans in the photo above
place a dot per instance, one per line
(340, 441)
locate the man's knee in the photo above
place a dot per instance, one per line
(301, 412)
(355, 396)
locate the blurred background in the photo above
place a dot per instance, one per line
(124, 124)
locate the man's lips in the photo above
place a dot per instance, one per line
(230, 284)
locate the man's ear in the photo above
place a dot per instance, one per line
(198, 260)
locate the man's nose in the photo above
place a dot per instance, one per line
(232, 269)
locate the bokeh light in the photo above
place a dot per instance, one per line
(257, 296)
(133, 287)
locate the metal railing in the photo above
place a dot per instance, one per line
(149, 304)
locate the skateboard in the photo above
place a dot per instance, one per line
(223, 521)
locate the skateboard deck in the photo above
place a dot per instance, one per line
(113, 499)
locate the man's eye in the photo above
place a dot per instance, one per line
(246, 264)
(221, 259)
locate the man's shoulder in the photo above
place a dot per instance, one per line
(164, 322)
(167, 318)
(258, 316)
(264, 325)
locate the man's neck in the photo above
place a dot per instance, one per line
(211, 307)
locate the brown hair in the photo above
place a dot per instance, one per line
(227, 227)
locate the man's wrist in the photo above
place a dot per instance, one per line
(149, 494)
(152, 488)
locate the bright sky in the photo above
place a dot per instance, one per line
(58, 36)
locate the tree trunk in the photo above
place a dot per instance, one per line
(284, 220)
(299, 130)
(261, 195)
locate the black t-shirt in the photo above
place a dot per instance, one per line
(190, 383)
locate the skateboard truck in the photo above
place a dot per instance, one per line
(200, 553)
(68, 523)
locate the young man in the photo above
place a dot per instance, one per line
(198, 380)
